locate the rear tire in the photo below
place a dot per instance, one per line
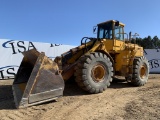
(140, 71)
(94, 72)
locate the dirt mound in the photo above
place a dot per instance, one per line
(120, 101)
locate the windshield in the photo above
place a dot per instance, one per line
(105, 31)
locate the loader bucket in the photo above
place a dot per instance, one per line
(37, 80)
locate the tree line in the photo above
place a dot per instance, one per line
(147, 42)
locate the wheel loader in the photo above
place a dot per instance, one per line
(93, 64)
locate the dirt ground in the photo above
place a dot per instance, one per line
(120, 101)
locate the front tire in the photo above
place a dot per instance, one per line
(94, 72)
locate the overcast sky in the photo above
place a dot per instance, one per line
(67, 21)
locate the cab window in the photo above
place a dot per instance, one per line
(119, 33)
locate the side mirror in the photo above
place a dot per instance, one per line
(95, 29)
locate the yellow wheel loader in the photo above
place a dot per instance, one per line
(94, 64)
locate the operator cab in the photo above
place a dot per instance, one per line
(111, 30)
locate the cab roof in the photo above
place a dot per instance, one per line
(110, 21)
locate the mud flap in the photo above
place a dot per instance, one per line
(37, 80)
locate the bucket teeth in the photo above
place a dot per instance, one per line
(37, 80)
